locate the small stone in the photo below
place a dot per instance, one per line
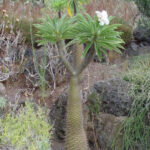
(134, 46)
(141, 34)
(28, 53)
(2, 89)
(106, 128)
(115, 99)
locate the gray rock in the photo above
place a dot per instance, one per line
(141, 34)
(134, 46)
(111, 110)
(103, 130)
(135, 50)
(132, 49)
(2, 89)
(58, 116)
(28, 53)
(115, 99)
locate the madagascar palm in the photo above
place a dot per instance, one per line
(82, 29)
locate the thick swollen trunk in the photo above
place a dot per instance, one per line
(75, 136)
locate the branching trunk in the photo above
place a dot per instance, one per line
(75, 135)
(61, 49)
(87, 59)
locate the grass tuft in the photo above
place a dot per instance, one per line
(137, 127)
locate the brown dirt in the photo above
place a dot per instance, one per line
(18, 90)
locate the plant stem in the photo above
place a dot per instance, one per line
(75, 8)
(75, 136)
(87, 59)
(61, 48)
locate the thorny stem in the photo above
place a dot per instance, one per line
(80, 67)
(61, 49)
(87, 59)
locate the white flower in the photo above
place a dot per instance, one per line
(102, 17)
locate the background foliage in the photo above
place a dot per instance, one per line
(27, 129)
(136, 128)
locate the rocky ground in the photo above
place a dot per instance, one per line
(99, 81)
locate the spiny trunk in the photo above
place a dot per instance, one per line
(75, 137)
(78, 54)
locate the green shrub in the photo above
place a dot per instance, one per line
(117, 20)
(2, 102)
(94, 103)
(137, 127)
(144, 22)
(15, 24)
(28, 129)
(24, 26)
(127, 33)
(144, 6)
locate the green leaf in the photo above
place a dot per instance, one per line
(71, 42)
(111, 17)
(55, 29)
(104, 51)
(98, 52)
(86, 49)
(117, 50)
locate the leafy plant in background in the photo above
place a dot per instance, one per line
(2, 102)
(32, 1)
(97, 36)
(143, 5)
(94, 104)
(127, 31)
(42, 72)
(56, 4)
(144, 21)
(136, 129)
(144, 8)
(28, 129)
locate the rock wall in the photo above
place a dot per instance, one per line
(111, 106)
